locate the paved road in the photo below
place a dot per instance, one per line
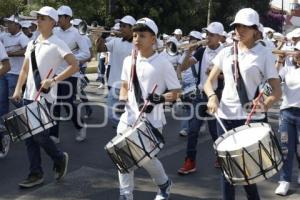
(92, 175)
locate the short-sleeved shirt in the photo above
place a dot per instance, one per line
(13, 43)
(290, 76)
(49, 53)
(3, 54)
(256, 66)
(150, 71)
(119, 50)
(76, 43)
(206, 62)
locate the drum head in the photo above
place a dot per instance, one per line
(242, 137)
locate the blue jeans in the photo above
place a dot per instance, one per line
(228, 190)
(112, 101)
(101, 70)
(289, 129)
(199, 114)
(33, 145)
(64, 90)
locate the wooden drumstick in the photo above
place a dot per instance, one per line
(40, 90)
(223, 127)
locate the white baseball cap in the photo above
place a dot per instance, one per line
(128, 20)
(225, 34)
(47, 11)
(294, 34)
(268, 30)
(247, 17)
(76, 22)
(196, 34)
(12, 18)
(177, 31)
(148, 22)
(65, 10)
(173, 39)
(116, 27)
(25, 24)
(215, 28)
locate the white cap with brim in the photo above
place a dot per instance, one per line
(12, 19)
(25, 24)
(294, 34)
(75, 22)
(215, 28)
(65, 10)
(247, 17)
(297, 46)
(177, 31)
(128, 20)
(116, 27)
(196, 34)
(46, 11)
(173, 40)
(149, 23)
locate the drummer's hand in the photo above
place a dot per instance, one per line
(46, 84)
(213, 104)
(148, 108)
(17, 96)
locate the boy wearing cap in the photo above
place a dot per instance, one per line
(178, 34)
(150, 69)
(119, 48)
(256, 64)
(79, 47)
(204, 56)
(50, 53)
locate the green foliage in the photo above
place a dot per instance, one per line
(10, 7)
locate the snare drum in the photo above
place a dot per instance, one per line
(135, 146)
(249, 154)
(28, 120)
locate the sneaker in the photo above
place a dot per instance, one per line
(56, 140)
(88, 113)
(32, 180)
(164, 191)
(126, 197)
(81, 135)
(183, 133)
(101, 85)
(188, 167)
(4, 146)
(61, 168)
(283, 188)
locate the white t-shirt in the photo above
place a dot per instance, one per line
(3, 54)
(150, 71)
(173, 59)
(89, 43)
(76, 43)
(256, 66)
(119, 51)
(49, 53)
(13, 43)
(290, 76)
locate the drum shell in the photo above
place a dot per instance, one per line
(28, 120)
(253, 163)
(139, 144)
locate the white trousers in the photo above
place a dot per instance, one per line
(154, 167)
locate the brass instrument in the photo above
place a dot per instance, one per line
(172, 49)
(286, 52)
(84, 28)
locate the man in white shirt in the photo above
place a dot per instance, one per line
(204, 56)
(151, 69)
(119, 48)
(15, 43)
(50, 53)
(4, 68)
(80, 49)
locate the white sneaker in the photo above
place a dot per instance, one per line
(81, 135)
(183, 133)
(56, 140)
(101, 85)
(5, 146)
(283, 188)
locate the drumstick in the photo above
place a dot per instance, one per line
(144, 106)
(254, 107)
(223, 127)
(40, 90)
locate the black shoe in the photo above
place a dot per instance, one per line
(61, 167)
(32, 180)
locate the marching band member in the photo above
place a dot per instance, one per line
(174, 59)
(178, 35)
(150, 69)
(26, 29)
(119, 48)
(80, 49)
(289, 121)
(256, 64)
(204, 56)
(4, 68)
(50, 52)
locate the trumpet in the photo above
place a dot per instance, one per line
(172, 49)
(286, 52)
(84, 28)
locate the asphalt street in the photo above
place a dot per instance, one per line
(92, 175)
